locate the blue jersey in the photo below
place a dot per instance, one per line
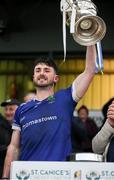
(45, 127)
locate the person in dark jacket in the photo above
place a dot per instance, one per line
(10, 106)
(78, 135)
(83, 130)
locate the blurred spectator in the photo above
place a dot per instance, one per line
(84, 129)
(105, 108)
(78, 135)
(10, 106)
(103, 142)
(29, 95)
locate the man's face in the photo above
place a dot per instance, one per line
(9, 111)
(83, 115)
(44, 75)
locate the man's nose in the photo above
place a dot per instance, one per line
(42, 71)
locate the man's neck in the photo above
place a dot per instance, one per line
(43, 93)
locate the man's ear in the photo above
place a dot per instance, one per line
(56, 78)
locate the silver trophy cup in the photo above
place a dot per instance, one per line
(88, 27)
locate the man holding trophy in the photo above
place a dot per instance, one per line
(42, 126)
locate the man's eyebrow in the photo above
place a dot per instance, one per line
(47, 68)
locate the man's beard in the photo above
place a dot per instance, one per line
(42, 86)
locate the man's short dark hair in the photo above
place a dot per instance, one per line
(48, 62)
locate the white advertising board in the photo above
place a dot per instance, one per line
(31, 170)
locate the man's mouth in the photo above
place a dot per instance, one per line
(42, 78)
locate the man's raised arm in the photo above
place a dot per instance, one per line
(82, 82)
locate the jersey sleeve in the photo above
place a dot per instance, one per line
(69, 95)
(16, 122)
